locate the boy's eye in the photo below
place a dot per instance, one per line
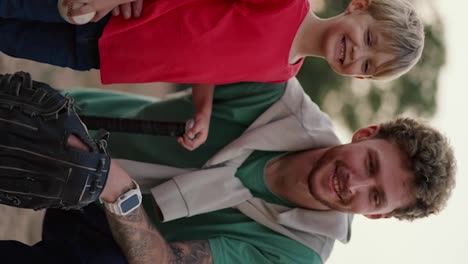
(365, 67)
(368, 38)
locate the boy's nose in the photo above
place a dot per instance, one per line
(358, 53)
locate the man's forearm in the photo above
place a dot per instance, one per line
(141, 243)
(138, 238)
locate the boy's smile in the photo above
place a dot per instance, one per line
(340, 54)
(364, 41)
(353, 46)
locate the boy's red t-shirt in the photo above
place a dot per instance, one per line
(203, 41)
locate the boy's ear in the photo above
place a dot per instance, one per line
(377, 216)
(357, 5)
(365, 133)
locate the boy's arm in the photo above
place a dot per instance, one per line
(138, 239)
(202, 96)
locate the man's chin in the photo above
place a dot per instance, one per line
(325, 204)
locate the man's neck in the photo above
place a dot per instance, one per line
(309, 38)
(288, 177)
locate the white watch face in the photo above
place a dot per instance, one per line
(130, 203)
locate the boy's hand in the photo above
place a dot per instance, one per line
(202, 96)
(128, 8)
(198, 134)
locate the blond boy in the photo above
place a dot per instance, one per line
(207, 42)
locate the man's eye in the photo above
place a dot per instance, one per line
(371, 166)
(376, 198)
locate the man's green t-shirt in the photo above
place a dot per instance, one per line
(233, 237)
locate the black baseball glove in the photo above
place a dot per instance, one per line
(37, 167)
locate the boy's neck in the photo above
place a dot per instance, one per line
(309, 38)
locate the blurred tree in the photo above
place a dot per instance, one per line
(361, 102)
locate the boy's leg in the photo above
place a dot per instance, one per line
(42, 10)
(59, 44)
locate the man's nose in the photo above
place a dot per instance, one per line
(360, 183)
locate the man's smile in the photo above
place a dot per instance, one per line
(335, 184)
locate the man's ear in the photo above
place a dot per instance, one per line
(365, 133)
(378, 216)
(357, 5)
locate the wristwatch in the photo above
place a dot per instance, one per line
(126, 202)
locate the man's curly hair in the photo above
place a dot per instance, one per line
(430, 158)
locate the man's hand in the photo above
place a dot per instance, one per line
(75, 142)
(39, 170)
(198, 134)
(118, 181)
(128, 8)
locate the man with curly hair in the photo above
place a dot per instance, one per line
(272, 184)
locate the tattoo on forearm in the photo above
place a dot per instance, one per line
(142, 243)
(191, 252)
(138, 239)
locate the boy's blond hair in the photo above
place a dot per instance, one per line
(403, 32)
(430, 158)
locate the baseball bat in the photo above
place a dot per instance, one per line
(141, 126)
